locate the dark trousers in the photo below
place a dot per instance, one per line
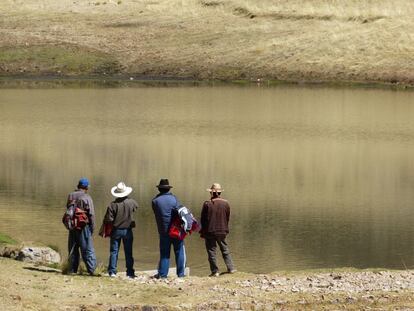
(127, 238)
(165, 250)
(211, 245)
(81, 239)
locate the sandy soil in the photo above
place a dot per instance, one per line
(308, 40)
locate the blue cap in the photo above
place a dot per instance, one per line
(83, 182)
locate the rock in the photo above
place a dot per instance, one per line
(16, 297)
(44, 255)
(152, 308)
(186, 306)
(324, 285)
(233, 305)
(350, 299)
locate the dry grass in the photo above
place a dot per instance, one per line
(208, 39)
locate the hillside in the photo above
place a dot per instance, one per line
(308, 40)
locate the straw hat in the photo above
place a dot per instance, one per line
(121, 190)
(216, 187)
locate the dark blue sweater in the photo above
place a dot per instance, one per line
(164, 205)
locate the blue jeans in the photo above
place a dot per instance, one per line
(127, 238)
(165, 249)
(81, 239)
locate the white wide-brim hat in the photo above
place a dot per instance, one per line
(121, 190)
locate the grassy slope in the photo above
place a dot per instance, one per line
(51, 59)
(328, 40)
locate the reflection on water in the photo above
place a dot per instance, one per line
(315, 177)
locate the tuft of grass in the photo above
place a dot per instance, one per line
(65, 266)
(100, 269)
(5, 239)
(82, 269)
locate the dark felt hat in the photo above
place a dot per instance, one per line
(164, 184)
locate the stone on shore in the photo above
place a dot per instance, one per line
(44, 255)
(171, 272)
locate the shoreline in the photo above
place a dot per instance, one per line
(24, 286)
(27, 285)
(21, 81)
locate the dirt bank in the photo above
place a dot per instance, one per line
(24, 287)
(307, 40)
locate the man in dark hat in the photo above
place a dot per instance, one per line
(82, 237)
(165, 204)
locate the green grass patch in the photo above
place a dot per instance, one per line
(53, 265)
(54, 59)
(5, 239)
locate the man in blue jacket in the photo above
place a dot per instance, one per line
(165, 206)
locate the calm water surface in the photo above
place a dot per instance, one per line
(316, 177)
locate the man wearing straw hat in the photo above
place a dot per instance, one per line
(164, 205)
(215, 217)
(120, 214)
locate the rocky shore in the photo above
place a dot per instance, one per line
(27, 287)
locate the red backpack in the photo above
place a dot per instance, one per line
(75, 217)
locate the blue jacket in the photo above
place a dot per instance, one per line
(164, 206)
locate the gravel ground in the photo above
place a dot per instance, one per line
(25, 287)
(379, 290)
